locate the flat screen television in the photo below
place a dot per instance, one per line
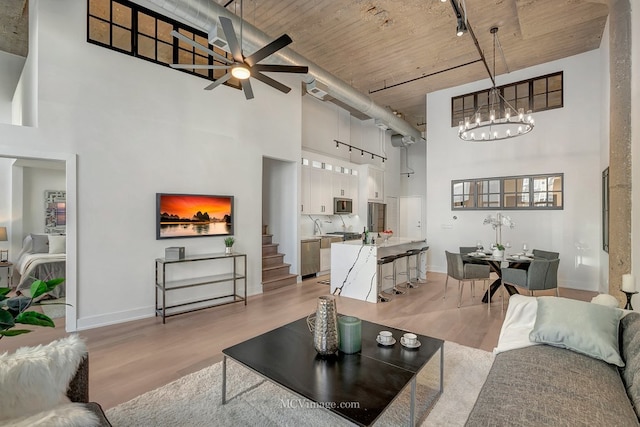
(193, 215)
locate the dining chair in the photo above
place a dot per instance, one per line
(542, 274)
(537, 253)
(465, 272)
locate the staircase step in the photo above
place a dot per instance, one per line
(275, 271)
(279, 282)
(271, 249)
(272, 260)
(264, 229)
(267, 239)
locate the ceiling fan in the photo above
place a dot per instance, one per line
(242, 67)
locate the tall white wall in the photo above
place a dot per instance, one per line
(566, 140)
(137, 129)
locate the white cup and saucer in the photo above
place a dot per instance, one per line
(410, 340)
(385, 338)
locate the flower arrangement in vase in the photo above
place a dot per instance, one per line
(497, 222)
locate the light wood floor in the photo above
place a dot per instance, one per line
(131, 358)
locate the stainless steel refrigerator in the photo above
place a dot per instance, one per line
(376, 217)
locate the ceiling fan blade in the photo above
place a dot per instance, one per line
(230, 34)
(268, 80)
(246, 87)
(267, 50)
(218, 82)
(197, 45)
(281, 68)
(199, 67)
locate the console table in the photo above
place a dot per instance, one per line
(163, 286)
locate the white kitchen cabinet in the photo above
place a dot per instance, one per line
(305, 181)
(317, 191)
(375, 184)
(354, 190)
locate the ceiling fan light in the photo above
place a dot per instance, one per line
(240, 72)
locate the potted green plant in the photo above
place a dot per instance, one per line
(228, 243)
(13, 310)
(498, 251)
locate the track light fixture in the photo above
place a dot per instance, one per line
(461, 28)
(460, 11)
(362, 151)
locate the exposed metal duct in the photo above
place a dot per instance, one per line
(204, 14)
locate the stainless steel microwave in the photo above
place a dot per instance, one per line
(342, 206)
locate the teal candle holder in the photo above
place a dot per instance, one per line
(350, 334)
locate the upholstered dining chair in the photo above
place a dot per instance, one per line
(542, 274)
(465, 272)
(537, 253)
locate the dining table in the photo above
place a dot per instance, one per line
(495, 263)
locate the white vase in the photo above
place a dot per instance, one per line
(227, 249)
(497, 253)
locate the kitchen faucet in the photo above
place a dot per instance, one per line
(316, 224)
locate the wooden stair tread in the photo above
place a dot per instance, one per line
(286, 276)
(272, 256)
(275, 267)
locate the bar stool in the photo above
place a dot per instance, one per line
(403, 272)
(412, 254)
(382, 293)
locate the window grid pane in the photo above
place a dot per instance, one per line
(139, 32)
(523, 192)
(537, 94)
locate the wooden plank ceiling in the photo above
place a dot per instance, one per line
(398, 50)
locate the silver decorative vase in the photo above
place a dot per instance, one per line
(324, 325)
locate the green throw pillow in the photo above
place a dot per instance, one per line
(586, 328)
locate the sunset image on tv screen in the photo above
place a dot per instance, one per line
(185, 215)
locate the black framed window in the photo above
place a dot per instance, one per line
(134, 30)
(536, 94)
(526, 192)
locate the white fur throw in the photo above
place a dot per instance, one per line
(35, 379)
(66, 415)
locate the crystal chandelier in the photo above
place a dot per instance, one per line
(509, 124)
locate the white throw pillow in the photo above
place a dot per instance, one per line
(606, 299)
(35, 379)
(57, 244)
(518, 323)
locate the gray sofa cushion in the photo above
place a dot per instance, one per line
(545, 385)
(630, 350)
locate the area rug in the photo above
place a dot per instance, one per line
(195, 400)
(54, 308)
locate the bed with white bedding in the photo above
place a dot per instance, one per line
(42, 257)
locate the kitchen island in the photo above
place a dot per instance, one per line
(354, 266)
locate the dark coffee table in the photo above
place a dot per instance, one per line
(358, 387)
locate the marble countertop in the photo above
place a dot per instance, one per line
(380, 243)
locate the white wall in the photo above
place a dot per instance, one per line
(565, 140)
(10, 70)
(5, 199)
(137, 129)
